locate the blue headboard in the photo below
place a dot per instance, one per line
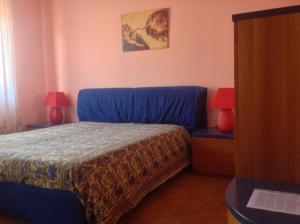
(181, 105)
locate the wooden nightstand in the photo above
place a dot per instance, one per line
(213, 152)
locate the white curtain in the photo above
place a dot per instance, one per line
(9, 121)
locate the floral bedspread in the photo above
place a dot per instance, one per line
(110, 167)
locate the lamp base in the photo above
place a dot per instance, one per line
(226, 120)
(56, 115)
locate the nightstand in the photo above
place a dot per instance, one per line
(41, 125)
(213, 152)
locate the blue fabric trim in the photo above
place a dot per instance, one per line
(182, 105)
(212, 133)
(41, 206)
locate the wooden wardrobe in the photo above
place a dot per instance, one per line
(267, 82)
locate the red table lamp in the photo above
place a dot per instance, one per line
(224, 100)
(56, 100)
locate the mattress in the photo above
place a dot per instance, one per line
(109, 166)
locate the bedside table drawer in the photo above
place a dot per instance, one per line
(213, 155)
(213, 147)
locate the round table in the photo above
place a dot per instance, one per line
(238, 194)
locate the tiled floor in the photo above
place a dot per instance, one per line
(187, 198)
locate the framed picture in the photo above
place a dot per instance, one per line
(145, 30)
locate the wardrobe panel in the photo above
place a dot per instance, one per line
(270, 70)
(244, 85)
(294, 93)
(268, 97)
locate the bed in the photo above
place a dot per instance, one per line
(127, 142)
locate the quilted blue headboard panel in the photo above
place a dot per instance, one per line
(181, 105)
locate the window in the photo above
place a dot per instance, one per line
(8, 98)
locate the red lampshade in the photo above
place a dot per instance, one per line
(224, 99)
(56, 99)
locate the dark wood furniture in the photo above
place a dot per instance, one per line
(267, 83)
(213, 152)
(237, 196)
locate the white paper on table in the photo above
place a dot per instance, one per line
(275, 201)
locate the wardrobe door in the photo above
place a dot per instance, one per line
(245, 100)
(294, 93)
(272, 159)
(262, 61)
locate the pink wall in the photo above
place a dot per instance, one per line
(201, 44)
(29, 59)
(82, 46)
